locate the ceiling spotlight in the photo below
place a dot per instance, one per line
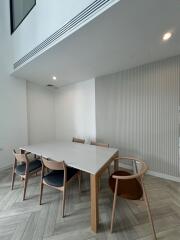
(167, 36)
(54, 78)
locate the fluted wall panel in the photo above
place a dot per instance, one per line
(137, 111)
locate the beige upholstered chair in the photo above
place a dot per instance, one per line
(24, 168)
(58, 177)
(130, 186)
(78, 140)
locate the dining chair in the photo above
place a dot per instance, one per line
(58, 177)
(24, 167)
(78, 140)
(130, 186)
(105, 145)
(82, 141)
(100, 144)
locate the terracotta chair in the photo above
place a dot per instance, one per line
(24, 168)
(78, 140)
(58, 177)
(130, 186)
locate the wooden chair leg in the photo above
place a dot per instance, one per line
(114, 205)
(99, 183)
(148, 210)
(63, 201)
(13, 179)
(41, 192)
(79, 181)
(109, 172)
(25, 186)
(135, 167)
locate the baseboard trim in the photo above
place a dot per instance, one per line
(155, 174)
(164, 176)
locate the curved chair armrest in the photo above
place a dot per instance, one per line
(143, 170)
(127, 177)
(129, 158)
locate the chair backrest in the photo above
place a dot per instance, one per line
(78, 140)
(53, 165)
(142, 168)
(106, 145)
(20, 157)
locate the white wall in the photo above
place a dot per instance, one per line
(13, 114)
(75, 111)
(27, 111)
(137, 111)
(41, 114)
(45, 18)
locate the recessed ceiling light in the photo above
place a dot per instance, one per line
(54, 78)
(167, 36)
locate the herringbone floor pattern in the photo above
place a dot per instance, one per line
(29, 221)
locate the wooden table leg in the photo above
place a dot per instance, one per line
(94, 202)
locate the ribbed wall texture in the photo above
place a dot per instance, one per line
(137, 111)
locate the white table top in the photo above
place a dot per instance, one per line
(85, 157)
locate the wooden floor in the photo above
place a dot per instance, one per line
(27, 220)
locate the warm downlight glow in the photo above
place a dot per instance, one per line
(167, 36)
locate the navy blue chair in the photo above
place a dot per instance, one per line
(57, 176)
(24, 168)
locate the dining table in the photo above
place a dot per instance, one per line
(85, 157)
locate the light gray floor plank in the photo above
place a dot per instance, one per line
(28, 220)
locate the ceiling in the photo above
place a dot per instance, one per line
(126, 35)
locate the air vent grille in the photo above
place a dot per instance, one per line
(82, 16)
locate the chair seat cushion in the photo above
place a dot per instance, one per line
(33, 165)
(56, 177)
(129, 189)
